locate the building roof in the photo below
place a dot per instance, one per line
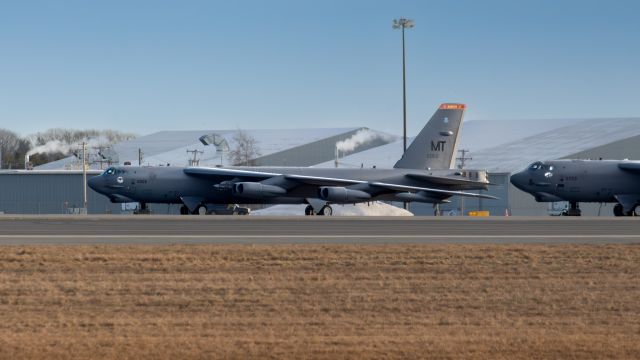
(170, 147)
(554, 144)
(497, 146)
(482, 134)
(384, 156)
(505, 146)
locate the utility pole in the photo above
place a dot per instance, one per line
(195, 161)
(84, 176)
(462, 159)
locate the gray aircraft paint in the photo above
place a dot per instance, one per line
(198, 186)
(435, 146)
(600, 181)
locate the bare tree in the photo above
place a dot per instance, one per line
(246, 149)
(13, 149)
(72, 136)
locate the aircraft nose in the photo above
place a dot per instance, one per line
(519, 180)
(94, 183)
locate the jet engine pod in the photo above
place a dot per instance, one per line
(338, 194)
(256, 190)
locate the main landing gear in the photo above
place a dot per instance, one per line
(326, 210)
(618, 210)
(212, 209)
(200, 210)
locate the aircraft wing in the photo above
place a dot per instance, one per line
(444, 180)
(228, 173)
(630, 166)
(323, 181)
(397, 187)
(260, 175)
(277, 179)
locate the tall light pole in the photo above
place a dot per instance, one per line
(403, 23)
(84, 177)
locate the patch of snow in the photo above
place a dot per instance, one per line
(371, 209)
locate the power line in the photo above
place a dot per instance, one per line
(195, 161)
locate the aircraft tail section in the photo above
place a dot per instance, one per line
(436, 145)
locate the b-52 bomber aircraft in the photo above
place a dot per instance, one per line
(575, 181)
(423, 174)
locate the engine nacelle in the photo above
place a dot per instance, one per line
(256, 190)
(338, 194)
(419, 197)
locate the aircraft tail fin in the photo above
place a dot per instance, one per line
(436, 145)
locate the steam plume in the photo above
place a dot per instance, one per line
(361, 137)
(55, 146)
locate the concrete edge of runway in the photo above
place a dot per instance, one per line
(127, 217)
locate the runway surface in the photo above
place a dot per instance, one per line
(144, 229)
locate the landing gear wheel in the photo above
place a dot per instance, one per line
(200, 210)
(143, 209)
(326, 210)
(618, 210)
(184, 210)
(309, 210)
(573, 210)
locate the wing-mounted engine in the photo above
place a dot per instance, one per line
(338, 194)
(256, 190)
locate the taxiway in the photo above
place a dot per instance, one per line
(315, 230)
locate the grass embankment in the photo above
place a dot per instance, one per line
(320, 301)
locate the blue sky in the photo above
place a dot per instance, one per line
(144, 66)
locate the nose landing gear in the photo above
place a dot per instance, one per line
(573, 210)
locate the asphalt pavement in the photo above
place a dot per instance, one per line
(145, 229)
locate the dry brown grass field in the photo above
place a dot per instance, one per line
(317, 301)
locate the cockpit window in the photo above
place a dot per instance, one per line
(110, 171)
(535, 166)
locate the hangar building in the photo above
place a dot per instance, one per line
(56, 187)
(503, 147)
(499, 146)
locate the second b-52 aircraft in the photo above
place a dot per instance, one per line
(575, 181)
(423, 174)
